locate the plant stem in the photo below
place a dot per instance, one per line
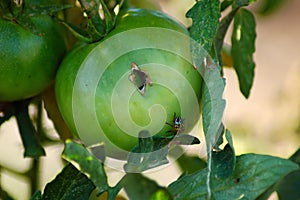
(27, 131)
(33, 175)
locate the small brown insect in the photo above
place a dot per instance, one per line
(139, 78)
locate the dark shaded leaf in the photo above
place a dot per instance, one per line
(5, 8)
(45, 9)
(296, 157)
(222, 30)
(69, 184)
(87, 163)
(288, 187)
(223, 161)
(225, 4)
(6, 112)
(243, 47)
(253, 174)
(241, 3)
(189, 164)
(139, 187)
(287, 183)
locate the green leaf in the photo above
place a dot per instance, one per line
(189, 164)
(205, 16)
(87, 163)
(69, 184)
(243, 47)
(152, 151)
(241, 3)
(220, 140)
(7, 111)
(99, 24)
(287, 184)
(296, 157)
(45, 9)
(222, 30)
(96, 26)
(288, 187)
(148, 154)
(223, 161)
(253, 174)
(139, 187)
(185, 139)
(225, 4)
(213, 104)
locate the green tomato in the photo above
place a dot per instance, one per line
(133, 80)
(29, 60)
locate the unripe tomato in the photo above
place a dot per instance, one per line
(29, 60)
(138, 78)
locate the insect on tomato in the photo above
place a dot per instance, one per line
(177, 124)
(100, 104)
(139, 78)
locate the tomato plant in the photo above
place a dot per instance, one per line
(131, 89)
(31, 50)
(173, 77)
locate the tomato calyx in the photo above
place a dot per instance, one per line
(99, 20)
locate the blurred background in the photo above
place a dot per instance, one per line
(266, 123)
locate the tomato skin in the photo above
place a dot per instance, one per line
(29, 60)
(73, 88)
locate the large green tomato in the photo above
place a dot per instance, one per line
(136, 79)
(29, 60)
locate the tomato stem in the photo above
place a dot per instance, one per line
(27, 131)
